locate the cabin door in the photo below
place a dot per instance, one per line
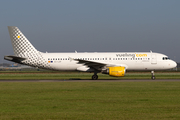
(153, 59)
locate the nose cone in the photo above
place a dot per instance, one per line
(173, 64)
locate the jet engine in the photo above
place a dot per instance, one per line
(116, 71)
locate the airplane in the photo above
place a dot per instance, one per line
(112, 63)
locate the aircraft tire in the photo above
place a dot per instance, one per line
(153, 77)
(94, 77)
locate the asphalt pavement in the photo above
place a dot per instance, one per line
(79, 80)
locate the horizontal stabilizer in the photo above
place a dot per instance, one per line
(14, 58)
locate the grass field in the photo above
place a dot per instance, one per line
(76, 75)
(90, 100)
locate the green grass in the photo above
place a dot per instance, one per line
(90, 100)
(67, 75)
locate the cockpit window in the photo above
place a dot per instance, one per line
(166, 58)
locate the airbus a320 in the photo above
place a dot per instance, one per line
(112, 63)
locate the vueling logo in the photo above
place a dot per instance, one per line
(141, 55)
(131, 55)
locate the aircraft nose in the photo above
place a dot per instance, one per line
(173, 64)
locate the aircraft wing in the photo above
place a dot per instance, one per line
(91, 64)
(99, 66)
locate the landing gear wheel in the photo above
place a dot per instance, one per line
(94, 77)
(153, 77)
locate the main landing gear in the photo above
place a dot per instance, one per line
(95, 76)
(153, 75)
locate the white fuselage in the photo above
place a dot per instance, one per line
(130, 60)
(114, 63)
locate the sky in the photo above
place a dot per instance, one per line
(93, 25)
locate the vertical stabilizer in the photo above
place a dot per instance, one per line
(20, 43)
(24, 51)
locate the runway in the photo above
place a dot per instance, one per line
(148, 80)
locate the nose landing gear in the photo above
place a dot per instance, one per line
(153, 75)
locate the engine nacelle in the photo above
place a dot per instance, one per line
(116, 71)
